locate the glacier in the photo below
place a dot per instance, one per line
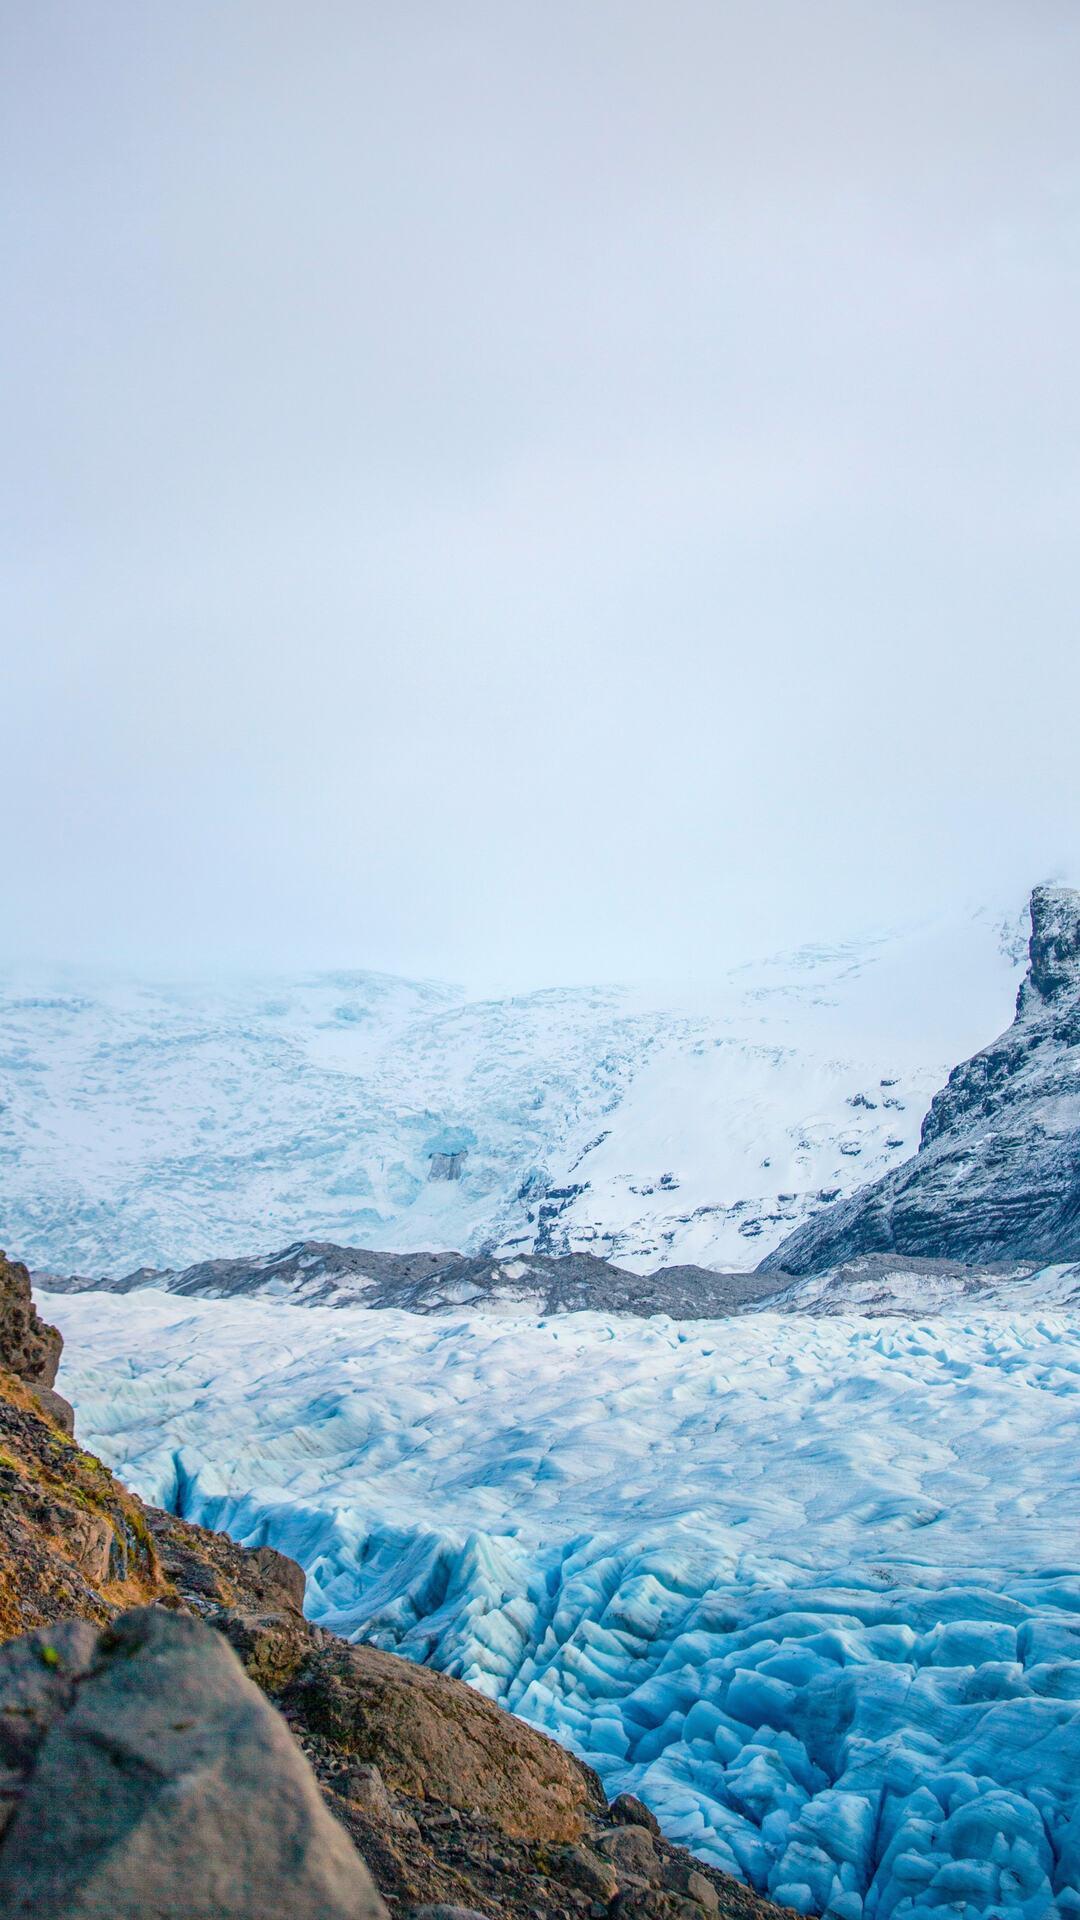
(159, 1125)
(810, 1587)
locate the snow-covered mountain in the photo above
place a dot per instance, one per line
(162, 1125)
(997, 1175)
(799, 1576)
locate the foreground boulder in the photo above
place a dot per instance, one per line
(433, 1736)
(997, 1174)
(148, 1779)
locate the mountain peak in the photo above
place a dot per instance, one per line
(997, 1174)
(1054, 950)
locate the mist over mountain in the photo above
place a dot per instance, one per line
(149, 1125)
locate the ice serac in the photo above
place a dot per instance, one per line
(997, 1174)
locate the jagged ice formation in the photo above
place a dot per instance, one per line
(810, 1588)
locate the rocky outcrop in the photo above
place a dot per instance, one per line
(72, 1539)
(147, 1775)
(432, 1734)
(318, 1273)
(997, 1174)
(209, 1571)
(28, 1348)
(438, 1863)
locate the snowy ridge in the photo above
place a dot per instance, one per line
(997, 1170)
(319, 1274)
(811, 1588)
(887, 1285)
(158, 1126)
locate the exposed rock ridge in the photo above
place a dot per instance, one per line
(319, 1273)
(1047, 1016)
(28, 1347)
(997, 1174)
(73, 1540)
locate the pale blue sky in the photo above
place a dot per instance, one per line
(530, 492)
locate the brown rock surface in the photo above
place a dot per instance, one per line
(589, 1872)
(72, 1540)
(444, 1857)
(28, 1347)
(628, 1811)
(631, 1851)
(60, 1411)
(210, 1571)
(434, 1736)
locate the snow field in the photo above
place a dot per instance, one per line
(811, 1588)
(159, 1125)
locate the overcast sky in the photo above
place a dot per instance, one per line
(527, 493)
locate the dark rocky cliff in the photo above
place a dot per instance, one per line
(997, 1174)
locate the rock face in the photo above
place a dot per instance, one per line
(997, 1174)
(433, 1735)
(28, 1347)
(72, 1540)
(149, 1777)
(317, 1273)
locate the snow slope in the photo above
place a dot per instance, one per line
(997, 1172)
(810, 1587)
(157, 1126)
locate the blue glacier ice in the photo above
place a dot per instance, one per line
(810, 1588)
